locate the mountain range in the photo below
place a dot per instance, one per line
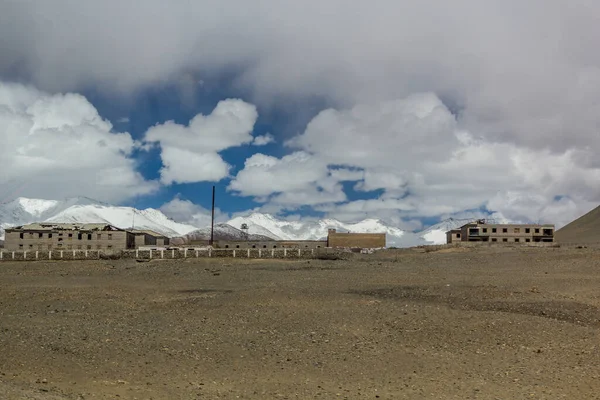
(260, 226)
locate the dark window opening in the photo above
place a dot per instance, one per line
(537, 230)
(253, 246)
(226, 246)
(20, 246)
(70, 235)
(484, 230)
(79, 236)
(458, 235)
(494, 230)
(264, 246)
(21, 235)
(31, 246)
(49, 236)
(504, 230)
(40, 235)
(516, 239)
(494, 240)
(528, 240)
(505, 240)
(237, 246)
(89, 236)
(527, 230)
(473, 231)
(60, 239)
(547, 232)
(276, 247)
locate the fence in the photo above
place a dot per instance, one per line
(164, 254)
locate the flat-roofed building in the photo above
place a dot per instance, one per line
(147, 237)
(480, 231)
(356, 240)
(68, 236)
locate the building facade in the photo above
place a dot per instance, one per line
(56, 236)
(480, 231)
(270, 244)
(146, 237)
(356, 240)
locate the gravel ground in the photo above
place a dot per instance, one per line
(451, 324)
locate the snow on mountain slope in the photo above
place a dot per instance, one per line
(314, 229)
(436, 234)
(124, 217)
(221, 232)
(81, 209)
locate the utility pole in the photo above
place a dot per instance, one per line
(212, 221)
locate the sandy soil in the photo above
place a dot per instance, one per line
(474, 324)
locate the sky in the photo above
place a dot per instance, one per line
(406, 111)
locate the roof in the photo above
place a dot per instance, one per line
(54, 226)
(146, 231)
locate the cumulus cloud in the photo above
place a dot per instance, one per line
(187, 212)
(414, 150)
(190, 153)
(263, 140)
(297, 179)
(56, 146)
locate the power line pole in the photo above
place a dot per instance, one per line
(212, 221)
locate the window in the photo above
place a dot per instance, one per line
(537, 230)
(89, 236)
(20, 246)
(30, 234)
(458, 235)
(527, 230)
(31, 246)
(484, 230)
(494, 230)
(60, 239)
(109, 246)
(253, 246)
(237, 246)
(494, 240)
(276, 247)
(516, 239)
(60, 244)
(21, 235)
(226, 246)
(504, 230)
(70, 235)
(505, 240)
(40, 235)
(99, 236)
(264, 246)
(60, 234)
(110, 236)
(49, 236)
(79, 236)
(528, 240)
(517, 230)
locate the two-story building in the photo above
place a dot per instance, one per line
(480, 231)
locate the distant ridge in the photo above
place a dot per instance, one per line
(584, 230)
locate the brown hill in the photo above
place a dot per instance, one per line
(584, 230)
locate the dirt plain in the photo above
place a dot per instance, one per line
(493, 323)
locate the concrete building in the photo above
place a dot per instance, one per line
(146, 237)
(356, 240)
(480, 231)
(56, 236)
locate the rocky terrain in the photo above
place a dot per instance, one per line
(488, 323)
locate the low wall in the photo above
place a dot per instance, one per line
(170, 254)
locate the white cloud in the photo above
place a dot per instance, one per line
(190, 153)
(296, 179)
(185, 211)
(427, 166)
(263, 140)
(56, 146)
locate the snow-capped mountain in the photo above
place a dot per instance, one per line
(261, 226)
(221, 232)
(80, 209)
(269, 225)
